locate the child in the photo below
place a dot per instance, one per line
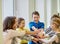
(9, 32)
(37, 24)
(55, 39)
(49, 29)
(21, 27)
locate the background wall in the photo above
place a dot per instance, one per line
(24, 8)
(7, 8)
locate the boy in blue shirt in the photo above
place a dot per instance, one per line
(36, 24)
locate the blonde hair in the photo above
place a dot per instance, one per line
(55, 16)
(56, 21)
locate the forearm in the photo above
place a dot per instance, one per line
(27, 37)
(15, 33)
(50, 40)
(30, 33)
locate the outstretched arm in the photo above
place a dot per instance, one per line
(50, 40)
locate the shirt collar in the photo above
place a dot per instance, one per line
(36, 23)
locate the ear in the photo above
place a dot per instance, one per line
(39, 16)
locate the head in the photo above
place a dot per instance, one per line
(35, 16)
(9, 23)
(21, 23)
(55, 23)
(55, 16)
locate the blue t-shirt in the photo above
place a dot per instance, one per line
(38, 25)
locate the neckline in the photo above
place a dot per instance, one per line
(35, 22)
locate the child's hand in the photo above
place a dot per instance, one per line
(35, 40)
(34, 28)
(41, 30)
(41, 35)
(37, 31)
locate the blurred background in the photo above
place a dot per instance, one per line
(24, 8)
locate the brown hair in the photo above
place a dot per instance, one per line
(35, 13)
(8, 23)
(19, 21)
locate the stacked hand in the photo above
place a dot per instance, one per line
(37, 31)
(41, 34)
(35, 40)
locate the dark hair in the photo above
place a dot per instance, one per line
(19, 21)
(35, 13)
(55, 16)
(8, 23)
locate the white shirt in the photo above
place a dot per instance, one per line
(9, 34)
(49, 41)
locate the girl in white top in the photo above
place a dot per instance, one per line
(9, 26)
(55, 39)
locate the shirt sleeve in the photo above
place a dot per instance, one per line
(48, 30)
(29, 37)
(14, 33)
(27, 29)
(42, 25)
(30, 26)
(50, 40)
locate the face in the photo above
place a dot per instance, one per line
(15, 25)
(36, 17)
(22, 24)
(53, 25)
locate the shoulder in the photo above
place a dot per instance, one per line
(4, 34)
(11, 31)
(26, 29)
(31, 22)
(8, 32)
(17, 29)
(41, 23)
